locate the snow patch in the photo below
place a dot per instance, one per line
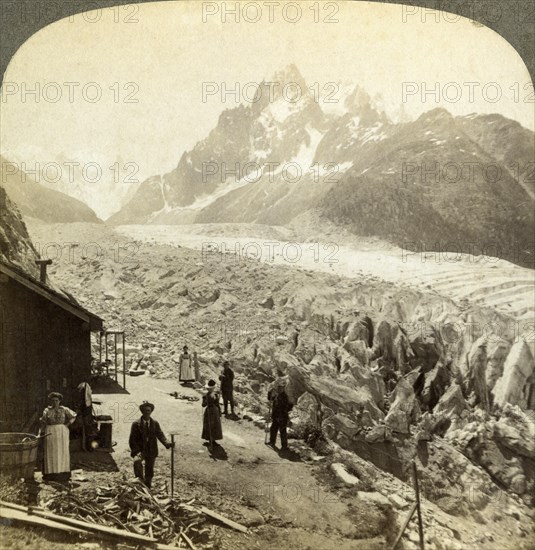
(373, 134)
(306, 153)
(281, 109)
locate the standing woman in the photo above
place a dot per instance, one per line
(211, 425)
(186, 374)
(55, 419)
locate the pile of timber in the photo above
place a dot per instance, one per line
(129, 506)
(125, 511)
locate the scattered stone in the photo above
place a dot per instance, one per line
(268, 303)
(343, 475)
(397, 501)
(374, 497)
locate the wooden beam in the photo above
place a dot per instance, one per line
(38, 516)
(31, 519)
(224, 520)
(407, 520)
(79, 524)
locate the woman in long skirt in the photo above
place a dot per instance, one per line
(211, 425)
(55, 419)
(186, 374)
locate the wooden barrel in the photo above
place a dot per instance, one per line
(18, 454)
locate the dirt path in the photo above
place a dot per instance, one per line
(283, 501)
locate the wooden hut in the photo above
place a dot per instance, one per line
(45, 345)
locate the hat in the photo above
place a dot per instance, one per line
(210, 385)
(226, 363)
(146, 404)
(55, 394)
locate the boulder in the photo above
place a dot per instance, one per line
(474, 378)
(452, 404)
(203, 290)
(356, 330)
(427, 348)
(343, 394)
(383, 341)
(435, 384)
(403, 354)
(359, 350)
(339, 470)
(308, 410)
(476, 441)
(404, 408)
(268, 303)
(496, 355)
(517, 370)
(516, 431)
(339, 427)
(374, 498)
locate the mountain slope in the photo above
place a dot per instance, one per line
(441, 179)
(506, 141)
(38, 201)
(422, 189)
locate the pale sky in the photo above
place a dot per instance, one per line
(167, 52)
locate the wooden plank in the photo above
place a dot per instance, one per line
(18, 515)
(34, 518)
(104, 529)
(224, 520)
(188, 540)
(398, 538)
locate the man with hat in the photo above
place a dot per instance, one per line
(143, 443)
(227, 388)
(280, 408)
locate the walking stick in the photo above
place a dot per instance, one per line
(172, 465)
(418, 508)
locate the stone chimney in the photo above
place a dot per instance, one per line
(42, 264)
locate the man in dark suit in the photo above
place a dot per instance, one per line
(227, 388)
(280, 409)
(143, 443)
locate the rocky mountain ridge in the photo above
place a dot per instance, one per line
(16, 246)
(440, 179)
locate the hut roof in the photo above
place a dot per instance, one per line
(61, 299)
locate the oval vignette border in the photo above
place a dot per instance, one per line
(514, 25)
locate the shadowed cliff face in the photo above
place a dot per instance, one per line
(36, 200)
(15, 244)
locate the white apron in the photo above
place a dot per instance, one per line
(57, 456)
(186, 370)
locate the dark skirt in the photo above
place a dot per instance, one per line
(211, 425)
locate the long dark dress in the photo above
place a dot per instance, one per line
(211, 425)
